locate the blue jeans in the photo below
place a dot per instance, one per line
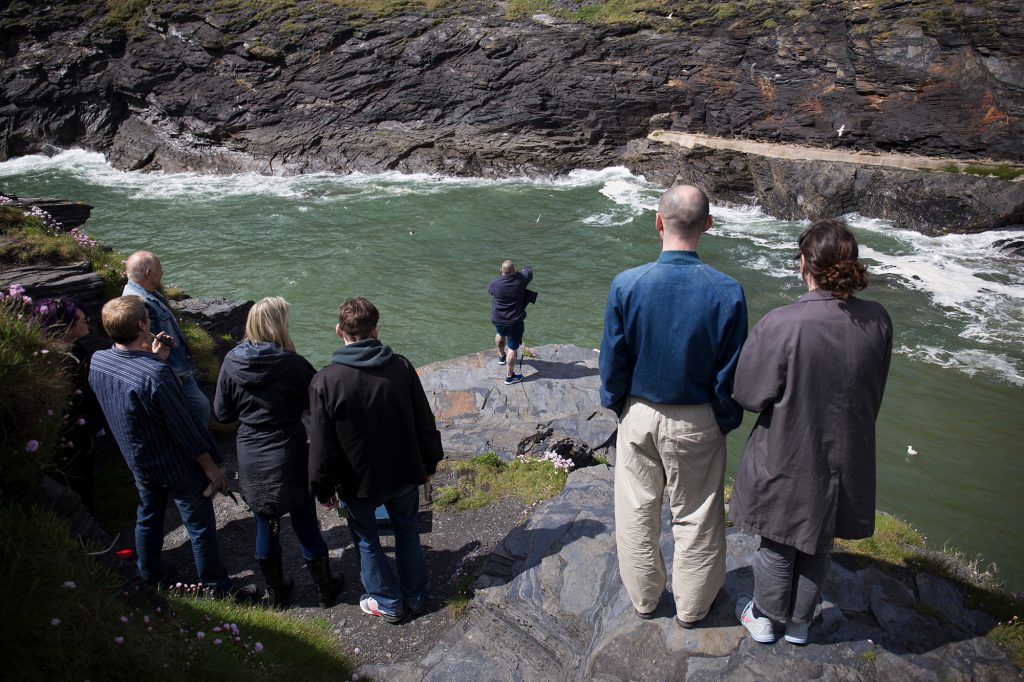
(306, 526)
(196, 512)
(197, 400)
(410, 590)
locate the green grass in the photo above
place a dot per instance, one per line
(485, 479)
(24, 239)
(34, 395)
(1002, 171)
(202, 346)
(63, 612)
(889, 543)
(1011, 635)
(124, 14)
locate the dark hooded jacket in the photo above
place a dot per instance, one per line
(265, 387)
(372, 429)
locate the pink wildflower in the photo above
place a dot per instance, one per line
(55, 621)
(124, 619)
(70, 584)
(32, 445)
(216, 642)
(200, 634)
(257, 647)
(119, 640)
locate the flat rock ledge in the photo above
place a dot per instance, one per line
(550, 606)
(557, 402)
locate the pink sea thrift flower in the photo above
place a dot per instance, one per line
(70, 584)
(119, 640)
(257, 647)
(55, 621)
(124, 619)
(200, 634)
(32, 445)
(216, 642)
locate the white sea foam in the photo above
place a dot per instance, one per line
(980, 291)
(970, 361)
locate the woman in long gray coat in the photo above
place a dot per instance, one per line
(815, 370)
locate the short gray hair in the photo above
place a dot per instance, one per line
(138, 263)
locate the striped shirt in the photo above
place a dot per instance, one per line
(149, 416)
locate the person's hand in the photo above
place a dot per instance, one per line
(218, 478)
(160, 348)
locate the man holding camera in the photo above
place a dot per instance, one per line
(168, 450)
(508, 312)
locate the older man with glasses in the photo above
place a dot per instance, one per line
(145, 275)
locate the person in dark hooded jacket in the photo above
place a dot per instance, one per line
(374, 441)
(263, 383)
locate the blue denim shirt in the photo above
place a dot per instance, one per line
(673, 330)
(151, 420)
(161, 319)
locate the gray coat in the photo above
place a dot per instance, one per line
(815, 370)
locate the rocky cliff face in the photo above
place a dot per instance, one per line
(302, 86)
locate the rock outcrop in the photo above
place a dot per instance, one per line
(556, 406)
(305, 86)
(550, 606)
(42, 280)
(922, 199)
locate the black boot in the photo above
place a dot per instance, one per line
(327, 588)
(279, 588)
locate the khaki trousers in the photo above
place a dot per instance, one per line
(678, 448)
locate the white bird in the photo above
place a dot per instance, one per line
(841, 129)
(538, 218)
(911, 451)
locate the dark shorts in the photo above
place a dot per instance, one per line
(513, 333)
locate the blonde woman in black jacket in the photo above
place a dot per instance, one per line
(263, 383)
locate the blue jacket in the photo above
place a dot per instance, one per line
(673, 330)
(162, 320)
(508, 302)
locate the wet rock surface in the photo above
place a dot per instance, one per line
(556, 406)
(550, 605)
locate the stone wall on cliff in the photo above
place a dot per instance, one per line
(231, 86)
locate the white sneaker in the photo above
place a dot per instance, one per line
(760, 629)
(796, 633)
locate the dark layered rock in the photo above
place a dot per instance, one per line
(792, 189)
(550, 606)
(556, 406)
(219, 87)
(76, 280)
(219, 316)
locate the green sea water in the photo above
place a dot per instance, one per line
(424, 248)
